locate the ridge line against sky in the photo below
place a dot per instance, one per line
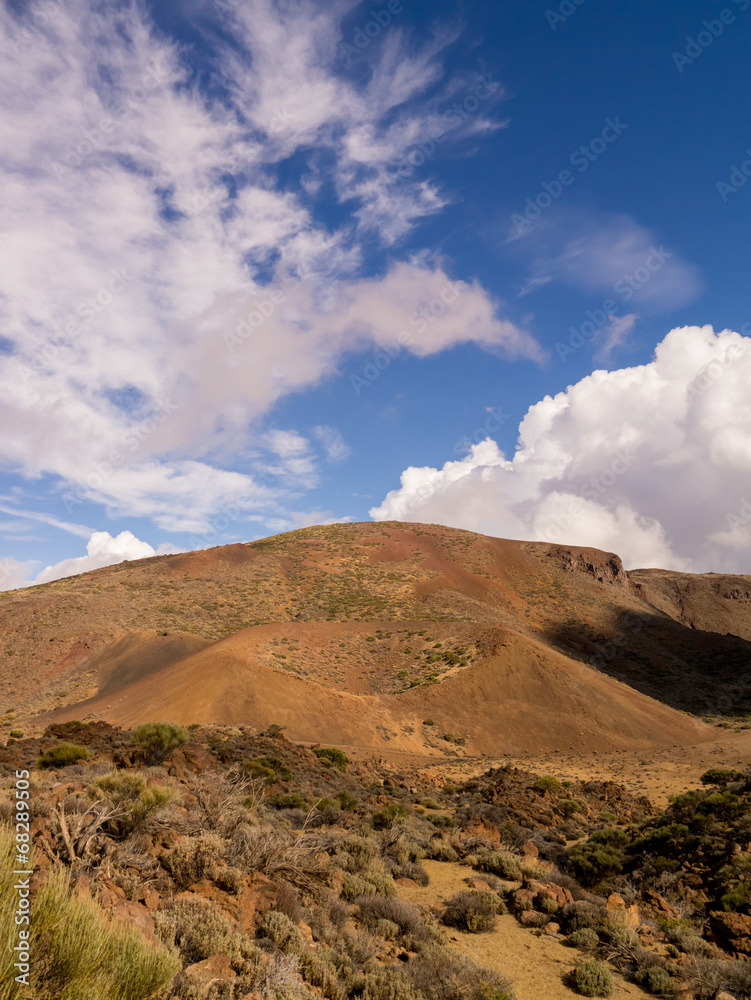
(286, 263)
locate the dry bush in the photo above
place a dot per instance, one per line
(200, 929)
(441, 849)
(288, 901)
(358, 946)
(404, 915)
(388, 984)
(471, 911)
(276, 853)
(195, 858)
(283, 934)
(282, 981)
(319, 971)
(412, 870)
(708, 977)
(221, 801)
(440, 975)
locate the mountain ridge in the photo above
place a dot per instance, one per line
(572, 614)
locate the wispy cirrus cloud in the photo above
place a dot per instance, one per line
(146, 217)
(607, 254)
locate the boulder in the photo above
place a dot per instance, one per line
(548, 890)
(478, 883)
(216, 967)
(627, 915)
(137, 915)
(732, 931)
(659, 905)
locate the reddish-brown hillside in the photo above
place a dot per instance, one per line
(360, 633)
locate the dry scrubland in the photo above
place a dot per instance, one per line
(222, 863)
(417, 763)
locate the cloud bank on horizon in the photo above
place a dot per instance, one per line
(207, 231)
(638, 461)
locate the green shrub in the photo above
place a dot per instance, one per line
(62, 755)
(159, 739)
(346, 801)
(128, 790)
(16, 733)
(600, 857)
(471, 911)
(584, 938)
(504, 864)
(337, 757)
(547, 783)
(593, 979)
(76, 953)
(719, 776)
(319, 971)
(293, 800)
(200, 929)
(367, 884)
(279, 929)
(387, 984)
(656, 980)
(387, 929)
(569, 807)
(274, 731)
(384, 819)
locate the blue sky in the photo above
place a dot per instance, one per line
(275, 264)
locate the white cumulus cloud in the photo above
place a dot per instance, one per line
(101, 550)
(652, 462)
